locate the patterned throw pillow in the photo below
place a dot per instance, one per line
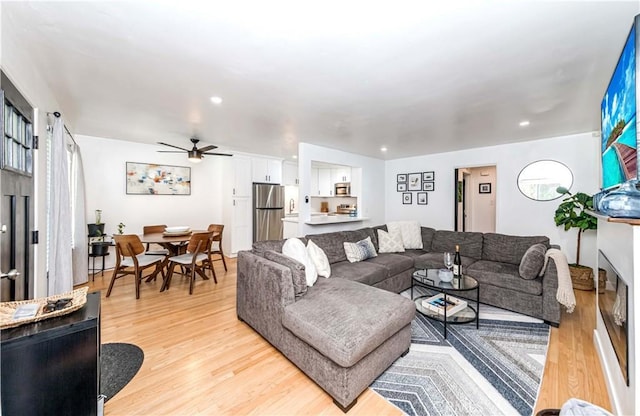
(359, 251)
(410, 231)
(390, 242)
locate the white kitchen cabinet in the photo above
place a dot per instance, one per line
(290, 174)
(265, 170)
(341, 174)
(241, 225)
(290, 229)
(241, 176)
(325, 184)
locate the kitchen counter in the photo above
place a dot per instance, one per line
(333, 219)
(293, 219)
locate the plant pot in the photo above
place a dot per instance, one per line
(100, 248)
(581, 277)
(95, 230)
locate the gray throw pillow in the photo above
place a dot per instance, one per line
(297, 270)
(532, 261)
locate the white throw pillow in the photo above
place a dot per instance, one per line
(319, 259)
(295, 249)
(362, 250)
(389, 243)
(410, 231)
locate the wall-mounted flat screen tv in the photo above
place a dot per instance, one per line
(619, 123)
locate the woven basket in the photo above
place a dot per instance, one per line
(581, 277)
(7, 309)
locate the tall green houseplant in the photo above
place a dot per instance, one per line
(571, 213)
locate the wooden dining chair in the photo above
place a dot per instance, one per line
(216, 246)
(132, 260)
(152, 229)
(193, 260)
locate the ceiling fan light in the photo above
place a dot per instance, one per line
(194, 156)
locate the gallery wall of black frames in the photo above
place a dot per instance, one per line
(420, 183)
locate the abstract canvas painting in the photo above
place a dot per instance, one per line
(152, 179)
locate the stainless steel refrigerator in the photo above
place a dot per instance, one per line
(268, 211)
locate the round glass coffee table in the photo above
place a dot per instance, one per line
(458, 311)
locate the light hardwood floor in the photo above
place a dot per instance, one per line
(199, 359)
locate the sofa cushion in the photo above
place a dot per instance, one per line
(360, 250)
(503, 275)
(412, 253)
(390, 242)
(436, 261)
(343, 319)
(508, 248)
(296, 249)
(532, 261)
(427, 237)
(298, 275)
(470, 243)
(394, 263)
(331, 243)
(259, 247)
(364, 272)
(375, 229)
(410, 230)
(319, 259)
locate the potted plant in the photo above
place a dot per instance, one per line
(96, 229)
(121, 228)
(572, 213)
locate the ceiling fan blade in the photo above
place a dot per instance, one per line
(170, 151)
(217, 154)
(207, 148)
(170, 145)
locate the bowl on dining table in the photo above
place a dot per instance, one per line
(177, 229)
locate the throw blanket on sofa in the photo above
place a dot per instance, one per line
(565, 294)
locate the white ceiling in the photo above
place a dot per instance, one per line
(415, 76)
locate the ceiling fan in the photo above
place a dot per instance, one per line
(194, 155)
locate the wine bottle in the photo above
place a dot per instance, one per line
(457, 264)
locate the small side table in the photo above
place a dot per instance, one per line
(92, 256)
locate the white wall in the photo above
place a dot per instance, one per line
(515, 213)
(104, 168)
(367, 183)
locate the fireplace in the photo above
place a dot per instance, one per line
(614, 308)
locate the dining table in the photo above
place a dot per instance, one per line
(172, 242)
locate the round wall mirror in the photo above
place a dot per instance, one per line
(539, 180)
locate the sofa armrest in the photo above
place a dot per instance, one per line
(264, 289)
(550, 306)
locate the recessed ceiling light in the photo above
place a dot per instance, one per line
(295, 156)
(216, 100)
(524, 123)
(383, 149)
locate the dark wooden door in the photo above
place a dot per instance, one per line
(16, 194)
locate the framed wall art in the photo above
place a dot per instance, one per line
(428, 186)
(428, 176)
(153, 179)
(407, 198)
(485, 188)
(402, 187)
(414, 182)
(402, 177)
(422, 198)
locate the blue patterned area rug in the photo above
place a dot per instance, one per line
(494, 370)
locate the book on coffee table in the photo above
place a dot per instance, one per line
(437, 304)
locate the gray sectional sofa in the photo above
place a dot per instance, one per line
(343, 332)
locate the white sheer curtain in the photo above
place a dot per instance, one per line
(80, 243)
(60, 257)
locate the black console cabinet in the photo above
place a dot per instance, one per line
(52, 367)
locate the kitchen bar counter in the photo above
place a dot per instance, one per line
(333, 219)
